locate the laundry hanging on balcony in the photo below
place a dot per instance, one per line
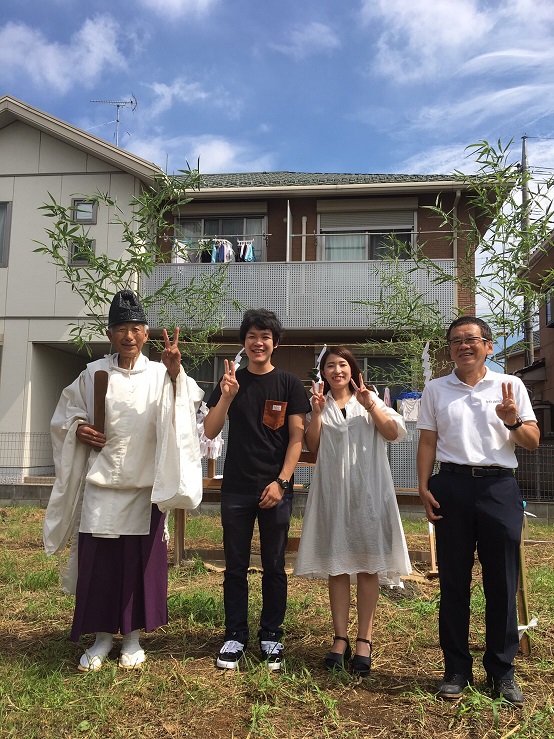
(222, 251)
(245, 251)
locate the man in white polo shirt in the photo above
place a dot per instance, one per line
(470, 422)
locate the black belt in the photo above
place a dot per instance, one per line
(466, 469)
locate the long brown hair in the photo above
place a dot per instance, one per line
(344, 353)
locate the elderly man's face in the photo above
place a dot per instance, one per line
(127, 340)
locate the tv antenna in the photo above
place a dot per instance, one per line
(119, 104)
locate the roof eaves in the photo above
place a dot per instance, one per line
(335, 189)
(12, 109)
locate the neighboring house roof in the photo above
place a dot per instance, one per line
(321, 184)
(291, 179)
(12, 110)
(518, 347)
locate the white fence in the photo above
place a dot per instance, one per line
(311, 295)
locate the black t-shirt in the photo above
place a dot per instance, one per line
(258, 428)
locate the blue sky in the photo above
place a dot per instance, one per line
(382, 86)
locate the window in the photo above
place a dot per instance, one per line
(362, 236)
(549, 308)
(380, 371)
(84, 211)
(234, 229)
(80, 251)
(5, 213)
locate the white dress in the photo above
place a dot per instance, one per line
(351, 523)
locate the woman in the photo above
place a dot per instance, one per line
(351, 525)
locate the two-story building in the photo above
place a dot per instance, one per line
(320, 246)
(311, 247)
(41, 156)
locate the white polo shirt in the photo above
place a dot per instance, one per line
(464, 417)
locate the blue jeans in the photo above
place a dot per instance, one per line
(238, 515)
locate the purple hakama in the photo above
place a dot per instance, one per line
(122, 583)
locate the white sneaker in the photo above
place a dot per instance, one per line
(272, 654)
(229, 655)
(132, 661)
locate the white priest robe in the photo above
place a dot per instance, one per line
(151, 455)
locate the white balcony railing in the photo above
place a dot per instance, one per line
(306, 295)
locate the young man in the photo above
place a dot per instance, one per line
(266, 408)
(470, 422)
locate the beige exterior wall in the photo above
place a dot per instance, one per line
(35, 307)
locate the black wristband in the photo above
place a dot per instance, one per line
(516, 425)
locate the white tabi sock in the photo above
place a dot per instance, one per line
(92, 658)
(132, 655)
(131, 643)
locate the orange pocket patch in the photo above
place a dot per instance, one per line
(274, 414)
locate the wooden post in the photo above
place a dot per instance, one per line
(211, 467)
(434, 571)
(178, 536)
(522, 607)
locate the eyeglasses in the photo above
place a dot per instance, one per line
(470, 341)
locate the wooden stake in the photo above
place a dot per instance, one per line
(522, 607)
(434, 571)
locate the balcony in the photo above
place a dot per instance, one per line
(306, 295)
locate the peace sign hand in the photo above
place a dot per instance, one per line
(363, 394)
(171, 356)
(507, 410)
(318, 399)
(229, 385)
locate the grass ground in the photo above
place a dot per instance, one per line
(179, 693)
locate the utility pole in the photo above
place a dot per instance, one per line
(527, 304)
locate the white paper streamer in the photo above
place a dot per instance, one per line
(209, 448)
(237, 359)
(318, 363)
(531, 625)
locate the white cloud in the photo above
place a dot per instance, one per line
(439, 160)
(304, 41)
(417, 40)
(176, 8)
(524, 100)
(511, 60)
(90, 51)
(216, 154)
(183, 91)
(166, 95)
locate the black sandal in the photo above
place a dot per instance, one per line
(336, 661)
(362, 665)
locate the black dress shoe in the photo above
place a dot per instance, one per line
(502, 687)
(335, 660)
(361, 665)
(453, 685)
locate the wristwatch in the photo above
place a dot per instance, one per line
(516, 425)
(284, 484)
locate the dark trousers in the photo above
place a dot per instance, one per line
(485, 514)
(238, 515)
(122, 583)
